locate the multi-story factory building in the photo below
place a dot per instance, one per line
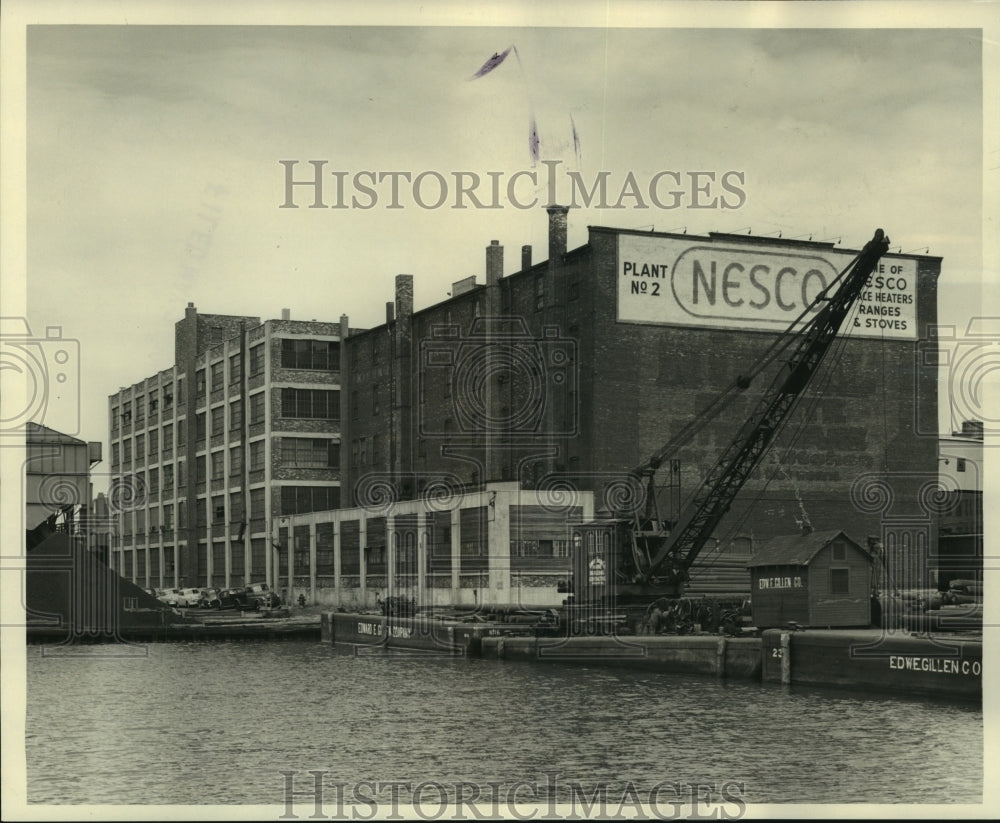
(566, 374)
(242, 429)
(558, 378)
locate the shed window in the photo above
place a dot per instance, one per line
(840, 581)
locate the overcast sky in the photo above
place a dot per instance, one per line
(154, 175)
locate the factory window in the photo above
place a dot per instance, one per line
(312, 404)
(140, 410)
(201, 512)
(539, 292)
(258, 507)
(114, 418)
(310, 452)
(140, 447)
(127, 454)
(320, 355)
(181, 473)
(199, 383)
(257, 408)
(218, 465)
(257, 455)
(301, 549)
(218, 421)
(236, 507)
(154, 481)
(257, 360)
(235, 368)
(181, 434)
(219, 509)
(153, 401)
(168, 480)
(840, 581)
(168, 396)
(168, 517)
(127, 412)
(304, 499)
(218, 377)
(114, 456)
(153, 445)
(168, 438)
(236, 415)
(200, 469)
(235, 460)
(199, 429)
(324, 548)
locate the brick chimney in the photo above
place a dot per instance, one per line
(494, 263)
(557, 233)
(404, 295)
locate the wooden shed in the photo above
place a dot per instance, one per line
(818, 579)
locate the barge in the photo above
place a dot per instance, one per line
(876, 660)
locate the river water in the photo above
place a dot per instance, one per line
(219, 723)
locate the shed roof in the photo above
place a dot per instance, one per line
(797, 549)
(37, 433)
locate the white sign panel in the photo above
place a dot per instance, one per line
(692, 282)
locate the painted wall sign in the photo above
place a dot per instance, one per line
(688, 282)
(779, 583)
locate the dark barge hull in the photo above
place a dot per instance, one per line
(871, 660)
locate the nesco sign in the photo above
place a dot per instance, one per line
(669, 280)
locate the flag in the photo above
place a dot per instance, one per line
(492, 63)
(576, 140)
(533, 141)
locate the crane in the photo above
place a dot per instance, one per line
(632, 560)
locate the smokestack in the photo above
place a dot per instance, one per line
(494, 263)
(525, 257)
(404, 295)
(557, 233)
(389, 314)
(286, 314)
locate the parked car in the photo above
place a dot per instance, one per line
(260, 596)
(189, 597)
(209, 599)
(235, 598)
(170, 596)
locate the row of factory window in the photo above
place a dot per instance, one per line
(295, 452)
(312, 355)
(296, 404)
(124, 413)
(132, 564)
(214, 510)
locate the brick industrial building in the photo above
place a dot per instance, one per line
(244, 427)
(559, 378)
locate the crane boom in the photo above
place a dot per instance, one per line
(713, 498)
